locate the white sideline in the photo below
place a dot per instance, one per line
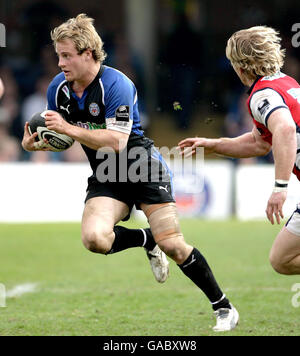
(21, 289)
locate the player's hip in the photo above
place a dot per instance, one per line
(132, 193)
(139, 165)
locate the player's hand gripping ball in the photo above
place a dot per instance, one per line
(57, 142)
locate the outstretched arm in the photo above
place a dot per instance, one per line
(248, 145)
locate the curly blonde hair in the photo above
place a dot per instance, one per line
(256, 50)
(82, 32)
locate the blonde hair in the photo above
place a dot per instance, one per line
(256, 50)
(82, 32)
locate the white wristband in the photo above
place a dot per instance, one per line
(281, 182)
(280, 186)
(279, 190)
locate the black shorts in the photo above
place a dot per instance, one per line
(155, 186)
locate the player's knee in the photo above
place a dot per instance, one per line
(281, 268)
(97, 241)
(278, 265)
(176, 248)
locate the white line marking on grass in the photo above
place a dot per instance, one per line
(21, 289)
(256, 289)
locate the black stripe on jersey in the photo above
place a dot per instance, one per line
(57, 91)
(252, 86)
(286, 224)
(296, 211)
(102, 67)
(274, 109)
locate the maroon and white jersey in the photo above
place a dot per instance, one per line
(270, 93)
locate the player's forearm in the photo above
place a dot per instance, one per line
(284, 152)
(96, 139)
(243, 146)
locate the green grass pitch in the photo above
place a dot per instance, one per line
(81, 293)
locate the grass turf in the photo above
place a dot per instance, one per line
(81, 293)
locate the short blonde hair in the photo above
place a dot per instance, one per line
(82, 32)
(256, 50)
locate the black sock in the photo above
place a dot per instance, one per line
(127, 238)
(196, 268)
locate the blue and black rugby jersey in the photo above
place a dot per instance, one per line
(109, 102)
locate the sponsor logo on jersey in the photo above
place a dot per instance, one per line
(263, 106)
(295, 93)
(89, 125)
(65, 89)
(65, 108)
(274, 76)
(94, 109)
(165, 188)
(122, 113)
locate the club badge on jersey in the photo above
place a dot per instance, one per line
(94, 109)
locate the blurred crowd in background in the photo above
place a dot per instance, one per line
(190, 63)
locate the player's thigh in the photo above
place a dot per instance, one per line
(164, 223)
(101, 214)
(285, 247)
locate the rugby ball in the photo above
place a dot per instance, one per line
(58, 142)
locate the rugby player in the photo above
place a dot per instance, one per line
(97, 105)
(274, 104)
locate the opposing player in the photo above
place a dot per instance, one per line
(98, 106)
(274, 104)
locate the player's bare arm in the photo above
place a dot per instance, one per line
(284, 142)
(283, 129)
(247, 145)
(93, 139)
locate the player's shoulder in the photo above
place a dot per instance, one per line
(273, 86)
(54, 88)
(57, 81)
(112, 76)
(271, 78)
(267, 96)
(276, 81)
(269, 86)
